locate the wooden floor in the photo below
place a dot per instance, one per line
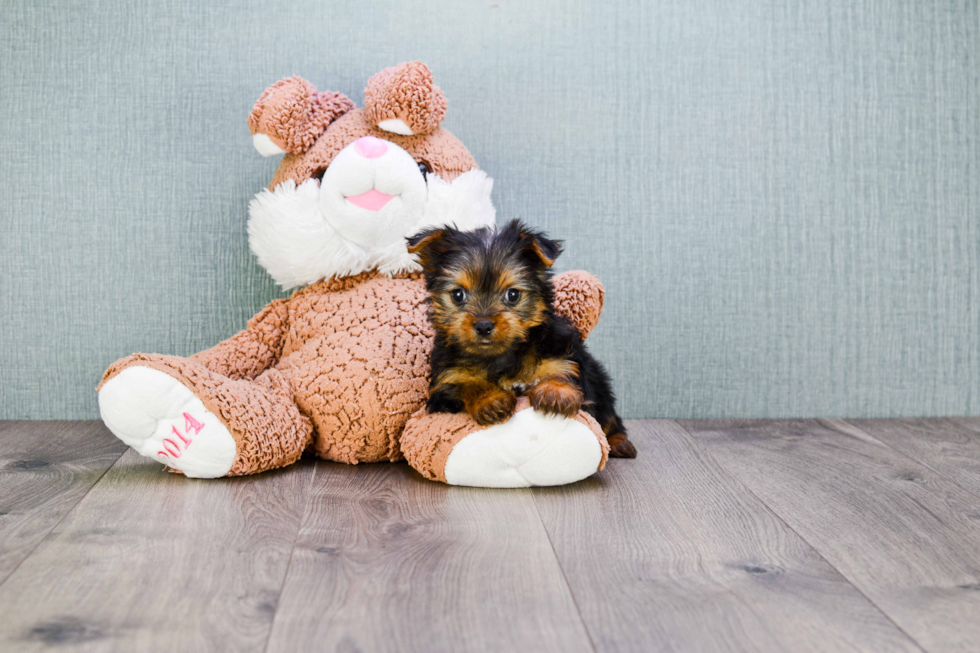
(824, 535)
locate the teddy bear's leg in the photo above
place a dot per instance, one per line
(528, 449)
(201, 423)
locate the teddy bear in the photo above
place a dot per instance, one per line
(340, 367)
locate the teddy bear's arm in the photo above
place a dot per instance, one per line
(250, 352)
(579, 297)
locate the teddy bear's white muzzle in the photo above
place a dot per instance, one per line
(373, 193)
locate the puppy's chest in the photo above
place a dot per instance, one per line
(520, 380)
(531, 370)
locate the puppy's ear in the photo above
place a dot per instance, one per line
(545, 249)
(536, 243)
(418, 243)
(427, 244)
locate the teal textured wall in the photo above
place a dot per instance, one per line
(782, 198)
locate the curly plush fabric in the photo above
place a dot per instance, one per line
(405, 92)
(579, 297)
(250, 352)
(445, 155)
(357, 357)
(342, 364)
(268, 427)
(293, 114)
(429, 438)
(351, 357)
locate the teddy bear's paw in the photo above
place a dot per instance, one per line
(161, 418)
(527, 450)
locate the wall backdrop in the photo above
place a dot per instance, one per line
(781, 197)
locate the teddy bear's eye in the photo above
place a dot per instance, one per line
(458, 295)
(424, 168)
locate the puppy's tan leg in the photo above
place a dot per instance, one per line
(487, 404)
(555, 397)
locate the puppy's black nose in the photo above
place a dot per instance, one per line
(483, 327)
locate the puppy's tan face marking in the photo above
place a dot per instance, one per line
(489, 288)
(486, 306)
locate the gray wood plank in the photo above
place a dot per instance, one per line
(150, 561)
(45, 469)
(387, 561)
(949, 446)
(906, 537)
(668, 552)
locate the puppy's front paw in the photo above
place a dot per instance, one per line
(493, 407)
(555, 398)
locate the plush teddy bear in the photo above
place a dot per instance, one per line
(340, 367)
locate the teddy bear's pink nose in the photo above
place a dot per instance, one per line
(370, 147)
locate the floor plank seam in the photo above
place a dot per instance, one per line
(564, 577)
(815, 550)
(63, 517)
(289, 563)
(906, 456)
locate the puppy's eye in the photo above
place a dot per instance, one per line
(458, 295)
(424, 168)
(512, 295)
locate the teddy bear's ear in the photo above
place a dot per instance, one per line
(403, 100)
(292, 114)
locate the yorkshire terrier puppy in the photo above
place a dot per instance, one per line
(497, 335)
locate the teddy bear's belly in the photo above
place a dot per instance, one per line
(359, 392)
(360, 380)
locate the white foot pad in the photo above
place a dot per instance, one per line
(528, 449)
(161, 418)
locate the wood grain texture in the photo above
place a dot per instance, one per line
(950, 446)
(386, 561)
(905, 536)
(151, 561)
(727, 536)
(45, 469)
(669, 553)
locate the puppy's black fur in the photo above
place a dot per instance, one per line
(497, 335)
